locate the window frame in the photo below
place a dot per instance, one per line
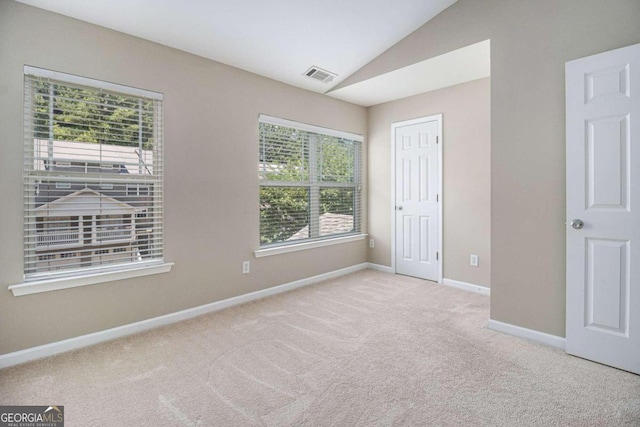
(48, 280)
(315, 185)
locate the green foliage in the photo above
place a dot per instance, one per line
(337, 201)
(336, 160)
(92, 116)
(284, 154)
(283, 212)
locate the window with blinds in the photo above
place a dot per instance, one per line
(310, 182)
(93, 182)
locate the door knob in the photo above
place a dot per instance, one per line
(577, 224)
(399, 208)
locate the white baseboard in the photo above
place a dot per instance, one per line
(379, 267)
(530, 334)
(26, 355)
(467, 286)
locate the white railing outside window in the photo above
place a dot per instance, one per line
(58, 238)
(114, 234)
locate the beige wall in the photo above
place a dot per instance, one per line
(466, 181)
(530, 43)
(211, 113)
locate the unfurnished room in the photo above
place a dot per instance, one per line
(339, 213)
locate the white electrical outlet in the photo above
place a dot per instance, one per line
(474, 260)
(372, 244)
(246, 267)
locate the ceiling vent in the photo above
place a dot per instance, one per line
(319, 74)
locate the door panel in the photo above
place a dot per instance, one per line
(607, 157)
(406, 179)
(407, 238)
(417, 209)
(424, 179)
(425, 250)
(607, 285)
(603, 190)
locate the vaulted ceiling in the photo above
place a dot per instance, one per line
(279, 39)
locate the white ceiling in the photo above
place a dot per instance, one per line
(279, 39)
(458, 66)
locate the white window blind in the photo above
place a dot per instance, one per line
(310, 182)
(93, 176)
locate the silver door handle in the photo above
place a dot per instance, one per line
(398, 208)
(578, 224)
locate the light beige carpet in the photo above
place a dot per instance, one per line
(368, 349)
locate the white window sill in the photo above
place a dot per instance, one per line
(47, 285)
(277, 250)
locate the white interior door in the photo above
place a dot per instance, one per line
(416, 198)
(603, 208)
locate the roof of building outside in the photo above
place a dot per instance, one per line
(330, 223)
(85, 202)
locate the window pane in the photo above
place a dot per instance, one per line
(336, 159)
(92, 177)
(284, 214)
(308, 182)
(284, 154)
(336, 211)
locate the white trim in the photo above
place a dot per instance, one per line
(378, 267)
(277, 250)
(263, 118)
(88, 279)
(84, 81)
(467, 286)
(438, 118)
(530, 334)
(22, 356)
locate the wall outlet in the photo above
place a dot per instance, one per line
(474, 260)
(372, 244)
(246, 267)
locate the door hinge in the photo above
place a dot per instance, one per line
(437, 256)
(437, 139)
(437, 197)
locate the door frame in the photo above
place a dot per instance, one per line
(394, 126)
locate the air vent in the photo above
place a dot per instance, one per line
(319, 74)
